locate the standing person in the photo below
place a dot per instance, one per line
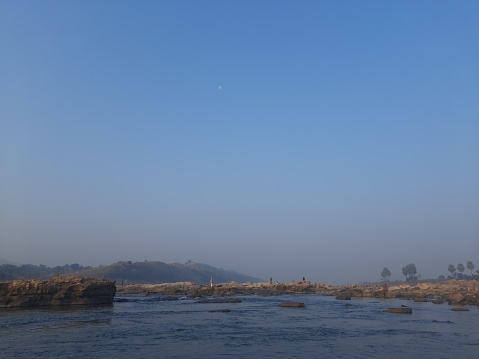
(385, 289)
(211, 282)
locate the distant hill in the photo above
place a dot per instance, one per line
(159, 272)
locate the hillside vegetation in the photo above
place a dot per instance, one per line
(131, 272)
(159, 272)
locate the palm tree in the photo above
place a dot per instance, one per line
(470, 266)
(460, 267)
(452, 269)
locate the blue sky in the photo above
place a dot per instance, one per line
(322, 139)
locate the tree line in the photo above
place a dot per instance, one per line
(460, 268)
(39, 271)
(410, 272)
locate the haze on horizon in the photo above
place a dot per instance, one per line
(285, 139)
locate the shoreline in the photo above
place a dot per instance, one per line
(453, 292)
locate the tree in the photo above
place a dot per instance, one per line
(470, 266)
(452, 269)
(74, 267)
(410, 271)
(385, 274)
(460, 267)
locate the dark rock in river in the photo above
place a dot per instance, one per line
(292, 305)
(402, 310)
(420, 300)
(460, 309)
(219, 300)
(57, 291)
(344, 296)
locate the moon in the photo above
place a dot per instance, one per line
(220, 87)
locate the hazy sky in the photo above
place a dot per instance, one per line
(324, 139)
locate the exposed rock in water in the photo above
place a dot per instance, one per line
(455, 298)
(453, 291)
(402, 310)
(67, 290)
(460, 309)
(219, 300)
(292, 305)
(344, 296)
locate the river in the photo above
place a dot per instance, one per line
(150, 327)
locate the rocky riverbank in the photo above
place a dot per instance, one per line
(68, 290)
(456, 292)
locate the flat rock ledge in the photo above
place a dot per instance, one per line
(292, 305)
(57, 291)
(454, 292)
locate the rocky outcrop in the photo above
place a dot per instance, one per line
(222, 289)
(454, 292)
(57, 291)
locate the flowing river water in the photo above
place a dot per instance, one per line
(150, 327)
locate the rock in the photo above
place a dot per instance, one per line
(442, 321)
(420, 300)
(453, 291)
(460, 309)
(455, 298)
(219, 300)
(423, 286)
(344, 296)
(402, 310)
(292, 305)
(68, 290)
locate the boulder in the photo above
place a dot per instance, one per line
(219, 300)
(292, 305)
(68, 290)
(455, 298)
(344, 296)
(402, 310)
(460, 309)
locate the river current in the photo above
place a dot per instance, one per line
(149, 327)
